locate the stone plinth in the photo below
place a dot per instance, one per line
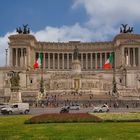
(15, 97)
(76, 66)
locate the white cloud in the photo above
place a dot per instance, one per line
(4, 45)
(64, 33)
(110, 12)
(105, 16)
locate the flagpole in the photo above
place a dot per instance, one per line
(41, 79)
(114, 89)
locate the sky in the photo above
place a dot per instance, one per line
(67, 20)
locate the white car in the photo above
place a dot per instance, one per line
(103, 108)
(74, 107)
(16, 108)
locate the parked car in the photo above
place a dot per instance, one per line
(65, 109)
(103, 108)
(74, 107)
(16, 108)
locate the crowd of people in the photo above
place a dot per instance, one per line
(54, 100)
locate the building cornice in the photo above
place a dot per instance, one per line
(21, 37)
(68, 46)
(127, 36)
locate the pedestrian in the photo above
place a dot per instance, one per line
(127, 106)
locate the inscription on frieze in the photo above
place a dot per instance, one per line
(91, 85)
(61, 76)
(60, 85)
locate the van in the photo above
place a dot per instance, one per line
(16, 108)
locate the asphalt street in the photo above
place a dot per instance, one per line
(82, 110)
(36, 111)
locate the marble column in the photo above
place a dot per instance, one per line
(134, 58)
(68, 61)
(62, 60)
(105, 56)
(125, 60)
(82, 60)
(72, 57)
(101, 61)
(95, 60)
(21, 61)
(53, 61)
(44, 60)
(49, 61)
(91, 61)
(128, 56)
(25, 57)
(11, 57)
(58, 61)
(86, 61)
(16, 57)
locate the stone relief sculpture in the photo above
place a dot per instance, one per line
(76, 53)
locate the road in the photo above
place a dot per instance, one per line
(82, 110)
(36, 111)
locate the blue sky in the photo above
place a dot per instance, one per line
(64, 20)
(38, 14)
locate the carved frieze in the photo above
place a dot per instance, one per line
(69, 47)
(90, 84)
(60, 76)
(107, 86)
(60, 85)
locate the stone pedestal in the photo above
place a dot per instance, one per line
(15, 97)
(76, 66)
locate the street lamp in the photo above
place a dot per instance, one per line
(6, 57)
(114, 89)
(26, 77)
(42, 85)
(125, 76)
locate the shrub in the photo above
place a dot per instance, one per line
(63, 118)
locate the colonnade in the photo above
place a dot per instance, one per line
(63, 61)
(18, 57)
(131, 56)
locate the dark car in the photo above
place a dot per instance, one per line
(64, 109)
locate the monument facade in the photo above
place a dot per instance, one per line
(73, 67)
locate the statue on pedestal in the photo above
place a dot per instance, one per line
(124, 29)
(15, 81)
(15, 93)
(23, 30)
(76, 53)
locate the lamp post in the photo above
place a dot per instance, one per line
(125, 76)
(41, 79)
(114, 89)
(6, 57)
(26, 77)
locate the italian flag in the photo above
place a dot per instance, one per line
(38, 63)
(109, 63)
